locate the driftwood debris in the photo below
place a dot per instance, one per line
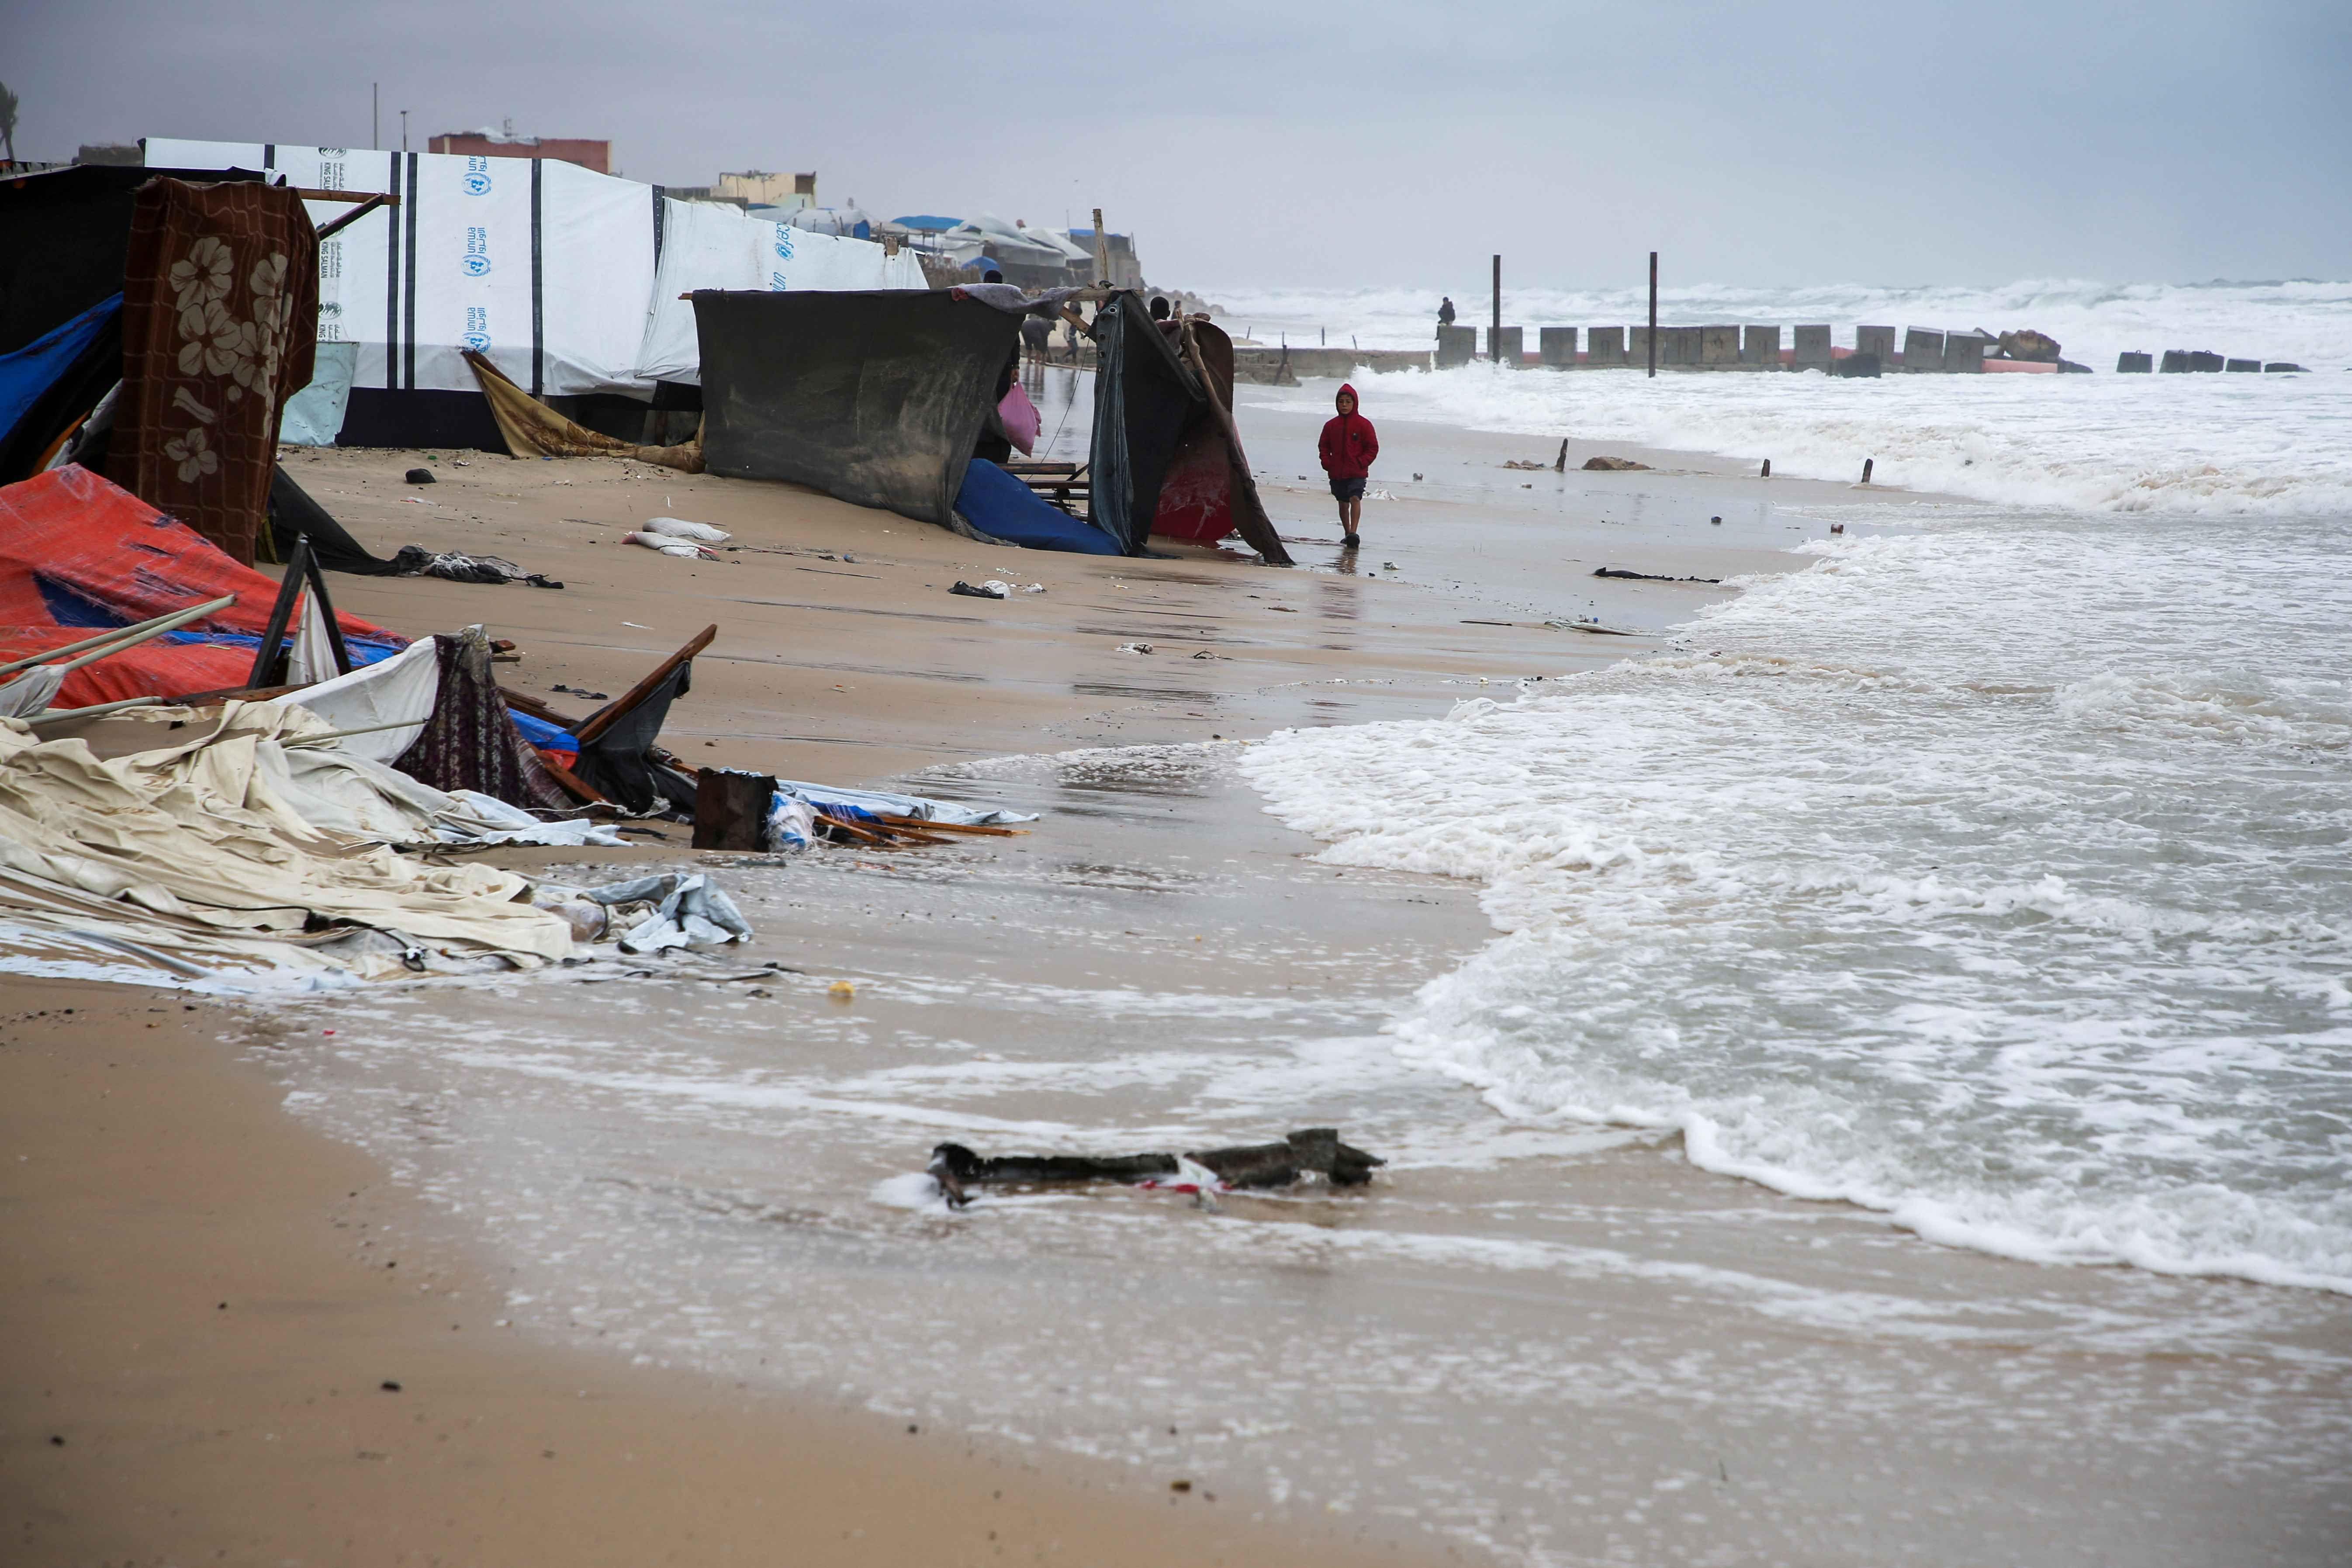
(1648, 576)
(1315, 1150)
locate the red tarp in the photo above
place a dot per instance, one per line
(97, 542)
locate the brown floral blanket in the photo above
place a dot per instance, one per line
(220, 319)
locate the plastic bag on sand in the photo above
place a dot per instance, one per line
(790, 825)
(688, 912)
(1021, 419)
(678, 528)
(690, 550)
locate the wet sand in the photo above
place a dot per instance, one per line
(683, 1198)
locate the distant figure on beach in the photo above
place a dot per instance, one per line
(1446, 312)
(1348, 447)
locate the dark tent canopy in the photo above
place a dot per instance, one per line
(1153, 411)
(875, 397)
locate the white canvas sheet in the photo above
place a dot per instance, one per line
(705, 246)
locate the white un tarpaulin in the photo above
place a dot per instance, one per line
(705, 246)
(560, 276)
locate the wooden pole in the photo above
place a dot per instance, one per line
(1102, 253)
(1494, 321)
(1653, 314)
(282, 613)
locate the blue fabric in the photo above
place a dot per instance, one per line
(547, 737)
(1002, 507)
(35, 368)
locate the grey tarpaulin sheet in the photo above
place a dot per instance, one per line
(873, 397)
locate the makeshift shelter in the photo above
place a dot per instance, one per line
(561, 276)
(1158, 415)
(876, 398)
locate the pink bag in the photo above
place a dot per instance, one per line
(1021, 420)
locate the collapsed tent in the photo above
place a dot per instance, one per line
(77, 553)
(876, 398)
(194, 853)
(1158, 418)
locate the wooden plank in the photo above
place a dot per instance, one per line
(606, 717)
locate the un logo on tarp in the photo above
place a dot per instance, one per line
(478, 184)
(477, 341)
(783, 243)
(476, 266)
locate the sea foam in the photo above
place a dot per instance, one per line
(1994, 877)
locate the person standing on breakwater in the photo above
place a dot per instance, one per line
(1347, 448)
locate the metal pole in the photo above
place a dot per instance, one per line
(375, 114)
(1653, 314)
(1495, 337)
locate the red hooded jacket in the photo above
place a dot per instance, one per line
(1349, 445)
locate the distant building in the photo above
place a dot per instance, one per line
(753, 188)
(588, 154)
(1126, 267)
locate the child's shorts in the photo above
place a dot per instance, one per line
(1348, 489)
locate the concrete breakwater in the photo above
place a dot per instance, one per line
(1726, 347)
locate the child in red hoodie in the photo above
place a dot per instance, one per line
(1347, 448)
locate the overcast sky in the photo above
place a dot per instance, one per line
(1338, 144)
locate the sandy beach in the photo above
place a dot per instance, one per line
(647, 1261)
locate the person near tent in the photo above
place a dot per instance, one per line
(1446, 312)
(1159, 307)
(1347, 448)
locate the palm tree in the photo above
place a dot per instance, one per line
(8, 122)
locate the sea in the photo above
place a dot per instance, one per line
(1994, 872)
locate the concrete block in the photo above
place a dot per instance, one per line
(1718, 345)
(1812, 349)
(1503, 345)
(2133, 365)
(1760, 347)
(2246, 364)
(2285, 367)
(1860, 365)
(2203, 363)
(1605, 346)
(1879, 341)
(1963, 353)
(1637, 347)
(1690, 345)
(1556, 347)
(1923, 351)
(2176, 362)
(1456, 345)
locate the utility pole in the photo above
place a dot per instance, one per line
(1653, 315)
(1495, 337)
(375, 114)
(403, 130)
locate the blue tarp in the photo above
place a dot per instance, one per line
(547, 737)
(1002, 507)
(33, 369)
(928, 223)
